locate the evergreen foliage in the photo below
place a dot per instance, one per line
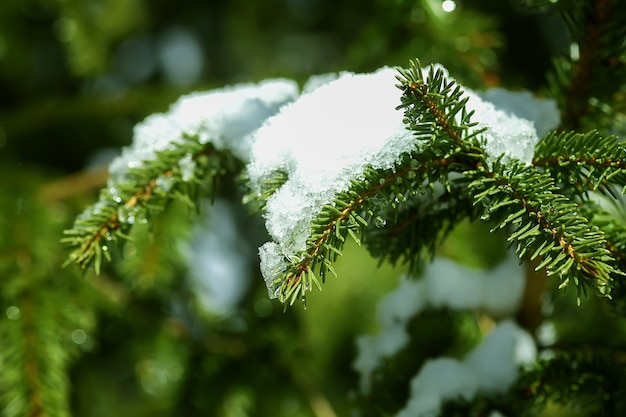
(40, 321)
(145, 190)
(109, 320)
(596, 58)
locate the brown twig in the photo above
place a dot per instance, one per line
(75, 184)
(579, 90)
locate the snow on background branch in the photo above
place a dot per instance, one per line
(490, 368)
(225, 117)
(444, 284)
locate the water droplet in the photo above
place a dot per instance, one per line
(115, 195)
(263, 308)
(79, 336)
(187, 168)
(20, 204)
(13, 313)
(448, 6)
(129, 249)
(276, 292)
(380, 222)
(165, 183)
(127, 214)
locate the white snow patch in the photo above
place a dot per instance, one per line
(543, 112)
(514, 120)
(218, 272)
(491, 368)
(505, 134)
(226, 117)
(444, 284)
(323, 140)
(273, 264)
(316, 81)
(497, 291)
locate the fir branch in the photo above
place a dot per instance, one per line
(615, 234)
(152, 258)
(613, 226)
(435, 112)
(426, 219)
(41, 307)
(586, 82)
(435, 103)
(347, 216)
(143, 190)
(73, 185)
(352, 213)
(34, 361)
(589, 381)
(616, 242)
(546, 224)
(178, 153)
(267, 188)
(583, 162)
(591, 49)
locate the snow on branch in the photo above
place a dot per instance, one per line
(323, 143)
(225, 117)
(343, 128)
(172, 154)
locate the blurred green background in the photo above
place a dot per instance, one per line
(76, 75)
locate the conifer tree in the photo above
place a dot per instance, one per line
(500, 212)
